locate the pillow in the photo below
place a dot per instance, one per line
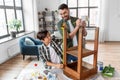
(28, 41)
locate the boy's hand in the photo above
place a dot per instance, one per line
(55, 65)
(59, 66)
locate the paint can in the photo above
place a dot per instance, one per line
(100, 66)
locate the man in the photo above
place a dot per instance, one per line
(73, 25)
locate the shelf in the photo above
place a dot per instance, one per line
(47, 20)
(86, 52)
(87, 69)
(85, 66)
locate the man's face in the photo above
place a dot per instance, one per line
(64, 13)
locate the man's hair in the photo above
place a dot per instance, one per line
(42, 34)
(63, 6)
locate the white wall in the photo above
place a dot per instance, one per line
(11, 48)
(30, 15)
(50, 4)
(112, 33)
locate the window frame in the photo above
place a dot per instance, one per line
(15, 8)
(87, 7)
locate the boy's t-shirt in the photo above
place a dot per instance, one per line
(53, 55)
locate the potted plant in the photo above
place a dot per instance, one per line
(14, 26)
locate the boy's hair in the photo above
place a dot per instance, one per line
(63, 6)
(42, 34)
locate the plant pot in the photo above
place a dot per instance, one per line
(13, 34)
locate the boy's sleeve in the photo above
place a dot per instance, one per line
(42, 56)
(44, 60)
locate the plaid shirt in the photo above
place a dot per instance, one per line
(45, 52)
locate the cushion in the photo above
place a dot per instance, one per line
(28, 41)
(39, 46)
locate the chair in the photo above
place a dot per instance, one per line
(29, 49)
(80, 69)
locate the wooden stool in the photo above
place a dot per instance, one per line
(80, 70)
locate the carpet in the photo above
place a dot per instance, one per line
(26, 73)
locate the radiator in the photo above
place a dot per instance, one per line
(13, 50)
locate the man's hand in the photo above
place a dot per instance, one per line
(64, 25)
(83, 24)
(80, 23)
(84, 30)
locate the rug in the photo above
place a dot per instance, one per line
(26, 73)
(30, 69)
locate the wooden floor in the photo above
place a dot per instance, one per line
(11, 69)
(109, 53)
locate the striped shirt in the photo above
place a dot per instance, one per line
(47, 51)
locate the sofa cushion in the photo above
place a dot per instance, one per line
(28, 41)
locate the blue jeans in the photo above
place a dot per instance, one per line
(71, 58)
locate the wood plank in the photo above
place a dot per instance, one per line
(86, 52)
(87, 70)
(72, 73)
(89, 73)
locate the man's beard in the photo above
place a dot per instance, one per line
(66, 18)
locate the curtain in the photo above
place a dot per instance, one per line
(103, 19)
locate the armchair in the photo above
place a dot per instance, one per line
(29, 49)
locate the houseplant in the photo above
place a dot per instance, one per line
(14, 26)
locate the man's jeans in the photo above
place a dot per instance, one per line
(71, 58)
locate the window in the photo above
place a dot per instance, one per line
(9, 10)
(84, 8)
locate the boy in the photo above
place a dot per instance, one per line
(49, 51)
